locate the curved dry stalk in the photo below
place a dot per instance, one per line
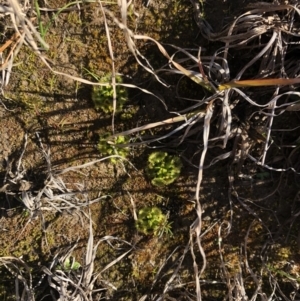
(180, 118)
(256, 15)
(16, 267)
(79, 284)
(260, 83)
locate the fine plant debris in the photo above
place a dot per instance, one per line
(149, 151)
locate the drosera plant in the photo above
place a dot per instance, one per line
(107, 149)
(163, 169)
(151, 221)
(69, 264)
(102, 96)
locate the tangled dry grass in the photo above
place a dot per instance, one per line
(234, 120)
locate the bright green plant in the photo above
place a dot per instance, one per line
(102, 96)
(108, 148)
(152, 221)
(70, 264)
(163, 169)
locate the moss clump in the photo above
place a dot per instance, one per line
(102, 96)
(152, 221)
(110, 147)
(163, 169)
